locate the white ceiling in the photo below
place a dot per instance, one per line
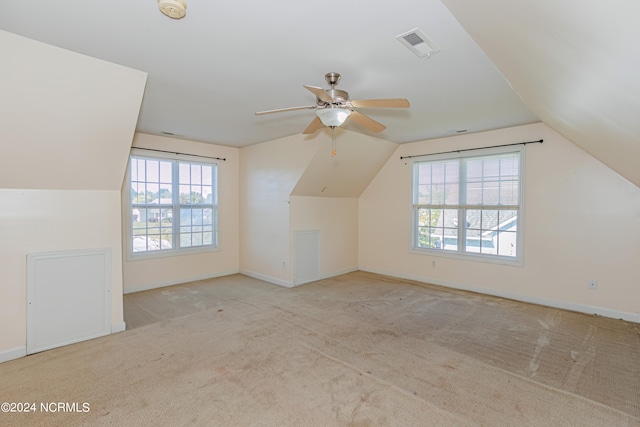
(210, 71)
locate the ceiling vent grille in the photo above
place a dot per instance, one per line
(418, 43)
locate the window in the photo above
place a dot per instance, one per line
(469, 204)
(173, 205)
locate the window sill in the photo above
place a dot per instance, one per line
(144, 256)
(514, 262)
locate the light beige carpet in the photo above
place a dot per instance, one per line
(356, 350)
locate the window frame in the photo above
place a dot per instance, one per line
(176, 159)
(460, 252)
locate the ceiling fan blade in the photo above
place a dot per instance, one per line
(381, 103)
(367, 122)
(313, 126)
(310, 107)
(320, 93)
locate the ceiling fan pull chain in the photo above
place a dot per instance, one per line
(333, 142)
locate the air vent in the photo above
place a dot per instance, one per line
(418, 43)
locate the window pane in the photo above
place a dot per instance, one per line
(196, 195)
(438, 183)
(185, 217)
(196, 239)
(480, 231)
(473, 230)
(196, 219)
(448, 229)
(153, 242)
(185, 173)
(207, 175)
(428, 220)
(135, 192)
(509, 192)
(165, 173)
(491, 185)
(490, 219)
(138, 170)
(133, 164)
(196, 174)
(165, 194)
(152, 191)
(207, 195)
(493, 180)
(153, 215)
(185, 194)
(139, 229)
(474, 193)
(185, 240)
(507, 243)
(153, 171)
(490, 192)
(207, 238)
(207, 216)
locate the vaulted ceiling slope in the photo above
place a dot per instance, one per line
(358, 158)
(574, 63)
(209, 72)
(67, 119)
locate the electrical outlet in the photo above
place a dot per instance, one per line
(433, 264)
(284, 265)
(593, 285)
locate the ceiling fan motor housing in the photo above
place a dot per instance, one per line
(339, 96)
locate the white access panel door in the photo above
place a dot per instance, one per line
(68, 298)
(307, 256)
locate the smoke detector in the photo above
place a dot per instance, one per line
(175, 9)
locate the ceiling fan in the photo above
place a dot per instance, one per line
(334, 107)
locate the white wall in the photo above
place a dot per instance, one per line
(581, 222)
(337, 220)
(294, 184)
(34, 221)
(142, 274)
(67, 125)
(268, 174)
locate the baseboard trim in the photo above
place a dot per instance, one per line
(118, 327)
(147, 287)
(330, 275)
(13, 353)
(288, 284)
(266, 278)
(564, 305)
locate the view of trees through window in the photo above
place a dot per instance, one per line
(173, 204)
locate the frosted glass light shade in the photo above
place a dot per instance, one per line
(333, 116)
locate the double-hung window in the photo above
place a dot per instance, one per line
(173, 205)
(469, 203)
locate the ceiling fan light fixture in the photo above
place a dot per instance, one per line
(333, 117)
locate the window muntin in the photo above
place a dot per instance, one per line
(173, 205)
(468, 204)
